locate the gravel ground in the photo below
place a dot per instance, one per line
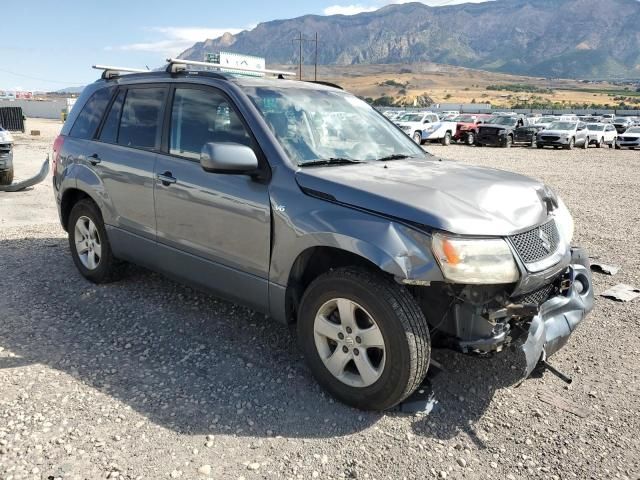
(146, 378)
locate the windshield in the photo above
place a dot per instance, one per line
(546, 120)
(596, 127)
(313, 125)
(411, 117)
(562, 126)
(465, 119)
(633, 130)
(620, 120)
(503, 121)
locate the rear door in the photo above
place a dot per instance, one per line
(214, 229)
(124, 157)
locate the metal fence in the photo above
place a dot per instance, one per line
(12, 119)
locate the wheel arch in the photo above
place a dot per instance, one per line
(71, 197)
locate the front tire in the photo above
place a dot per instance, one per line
(6, 178)
(446, 140)
(471, 138)
(586, 143)
(90, 248)
(417, 137)
(508, 141)
(571, 144)
(364, 338)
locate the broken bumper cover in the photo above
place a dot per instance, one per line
(559, 317)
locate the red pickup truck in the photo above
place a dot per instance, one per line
(467, 127)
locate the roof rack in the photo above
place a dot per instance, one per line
(112, 72)
(176, 65)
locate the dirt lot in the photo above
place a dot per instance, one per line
(146, 378)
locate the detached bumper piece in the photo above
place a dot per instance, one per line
(18, 186)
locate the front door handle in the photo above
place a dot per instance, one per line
(166, 178)
(94, 159)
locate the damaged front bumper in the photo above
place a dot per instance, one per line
(537, 318)
(558, 317)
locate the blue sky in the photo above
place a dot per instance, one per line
(48, 46)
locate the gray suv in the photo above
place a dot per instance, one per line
(271, 194)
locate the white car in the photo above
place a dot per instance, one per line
(629, 139)
(601, 134)
(442, 131)
(543, 121)
(412, 123)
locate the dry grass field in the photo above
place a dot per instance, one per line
(449, 84)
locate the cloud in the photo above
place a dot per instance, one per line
(348, 9)
(360, 8)
(174, 40)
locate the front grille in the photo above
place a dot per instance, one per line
(537, 297)
(549, 138)
(489, 131)
(628, 139)
(537, 244)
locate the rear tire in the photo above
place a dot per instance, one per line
(348, 308)
(89, 244)
(417, 137)
(446, 140)
(586, 143)
(6, 178)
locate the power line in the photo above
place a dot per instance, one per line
(39, 79)
(301, 39)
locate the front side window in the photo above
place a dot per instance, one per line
(89, 118)
(199, 117)
(327, 125)
(141, 117)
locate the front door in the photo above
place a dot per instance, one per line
(213, 229)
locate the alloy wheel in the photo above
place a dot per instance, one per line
(349, 342)
(88, 243)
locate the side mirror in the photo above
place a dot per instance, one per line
(228, 158)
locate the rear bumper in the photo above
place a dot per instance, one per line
(559, 316)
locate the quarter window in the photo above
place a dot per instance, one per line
(109, 132)
(141, 117)
(89, 118)
(203, 116)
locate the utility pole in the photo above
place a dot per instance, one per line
(301, 39)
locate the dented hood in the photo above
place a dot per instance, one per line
(443, 195)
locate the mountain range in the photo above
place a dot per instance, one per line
(547, 38)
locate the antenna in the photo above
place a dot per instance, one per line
(176, 65)
(109, 72)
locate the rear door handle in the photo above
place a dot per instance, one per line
(166, 178)
(94, 159)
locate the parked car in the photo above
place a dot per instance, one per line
(564, 134)
(467, 127)
(601, 134)
(622, 123)
(608, 118)
(544, 122)
(372, 246)
(412, 123)
(629, 139)
(6, 157)
(526, 135)
(441, 131)
(500, 131)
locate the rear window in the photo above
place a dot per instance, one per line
(89, 118)
(141, 117)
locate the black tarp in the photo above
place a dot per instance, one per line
(11, 119)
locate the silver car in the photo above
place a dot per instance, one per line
(564, 135)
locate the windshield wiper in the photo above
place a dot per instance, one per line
(396, 156)
(329, 161)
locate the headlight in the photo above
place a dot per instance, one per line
(475, 261)
(564, 222)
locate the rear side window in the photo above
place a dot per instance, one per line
(202, 116)
(109, 132)
(89, 118)
(141, 119)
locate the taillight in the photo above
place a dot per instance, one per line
(57, 148)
